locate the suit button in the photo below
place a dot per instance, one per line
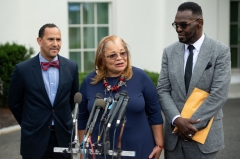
(52, 110)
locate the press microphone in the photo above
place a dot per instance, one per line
(123, 94)
(108, 102)
(122, 110)
(99, 105)
(97, 96)
(77, 101)
(117, 95)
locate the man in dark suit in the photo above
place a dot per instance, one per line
(41, 97)
(195, 61)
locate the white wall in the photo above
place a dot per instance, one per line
(22, 19)
(144, 24)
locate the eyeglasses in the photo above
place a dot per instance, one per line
(183, 25)
(114, 56)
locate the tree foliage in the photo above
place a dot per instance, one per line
(10, 55)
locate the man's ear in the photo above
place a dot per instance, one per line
(200, 21)
(39, 40)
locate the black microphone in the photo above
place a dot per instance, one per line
(108, 102)
(122, 110)
(100, 105)
(77, 101)
(123, 94)
(97, 96)
(117, 95)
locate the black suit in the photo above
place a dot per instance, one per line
(30, 104)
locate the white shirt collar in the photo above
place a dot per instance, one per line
(197, 45)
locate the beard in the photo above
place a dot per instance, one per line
(187, 39)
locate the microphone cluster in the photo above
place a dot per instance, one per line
(112, 110)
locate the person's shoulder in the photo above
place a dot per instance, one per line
(28, 62)
(215, 43)
(89, 76)
(137, 70)
(173, 45)
(65, 60)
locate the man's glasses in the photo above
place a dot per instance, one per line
(114, 56)
(183, 25)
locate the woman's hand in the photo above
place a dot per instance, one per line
(155, 154)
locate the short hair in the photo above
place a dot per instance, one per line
(192, 6)
(99, 64)
(42, 29)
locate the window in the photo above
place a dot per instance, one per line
(88, 24)
(235, 33)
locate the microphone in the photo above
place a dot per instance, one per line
(122, 110)
(105, 119)
(108, 101)
(97, 96)
(117, 95)
(77, 101)
(100, 105)
(117, 107)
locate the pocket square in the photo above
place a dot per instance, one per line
(209, 65)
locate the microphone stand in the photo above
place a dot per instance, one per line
(106, 143)
(120, 139)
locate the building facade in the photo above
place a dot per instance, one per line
(145, 25)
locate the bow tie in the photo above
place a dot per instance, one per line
(46, 65)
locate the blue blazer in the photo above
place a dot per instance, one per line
(30, 104)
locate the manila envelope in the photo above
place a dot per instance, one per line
(194, 101)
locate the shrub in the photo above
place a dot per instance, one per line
(153, 75)
(10, 55)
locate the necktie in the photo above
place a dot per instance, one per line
(188, 68)
(46, 65)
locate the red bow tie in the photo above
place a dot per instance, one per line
(46, 65)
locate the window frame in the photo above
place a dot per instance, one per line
(82, 50)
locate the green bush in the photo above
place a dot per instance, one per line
(10, 55)
(153, 75)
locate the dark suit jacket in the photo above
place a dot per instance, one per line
(212, 73)
(30, 104)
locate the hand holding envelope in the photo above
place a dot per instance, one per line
(192, 104)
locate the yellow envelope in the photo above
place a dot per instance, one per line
(194, 101)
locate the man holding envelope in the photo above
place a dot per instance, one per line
(193, 87)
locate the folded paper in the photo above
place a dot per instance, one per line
(194, 101)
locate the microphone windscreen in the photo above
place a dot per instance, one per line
(124, 92)
(99, 96)
(78, 98)
(100, 103)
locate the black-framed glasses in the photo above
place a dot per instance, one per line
(183, 25)
(114, 56)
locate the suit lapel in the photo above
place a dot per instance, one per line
(61, 82)
(178, 57)
(36, 69)
(202, 61)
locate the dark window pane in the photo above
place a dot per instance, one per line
(74, 38)
(102, 32)
(74, 13)
(76, 57)
(234, 57)
(234, 11)
(233, 35)
(88, 33)
(88, 13)
(102, 13)
(89, 58)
